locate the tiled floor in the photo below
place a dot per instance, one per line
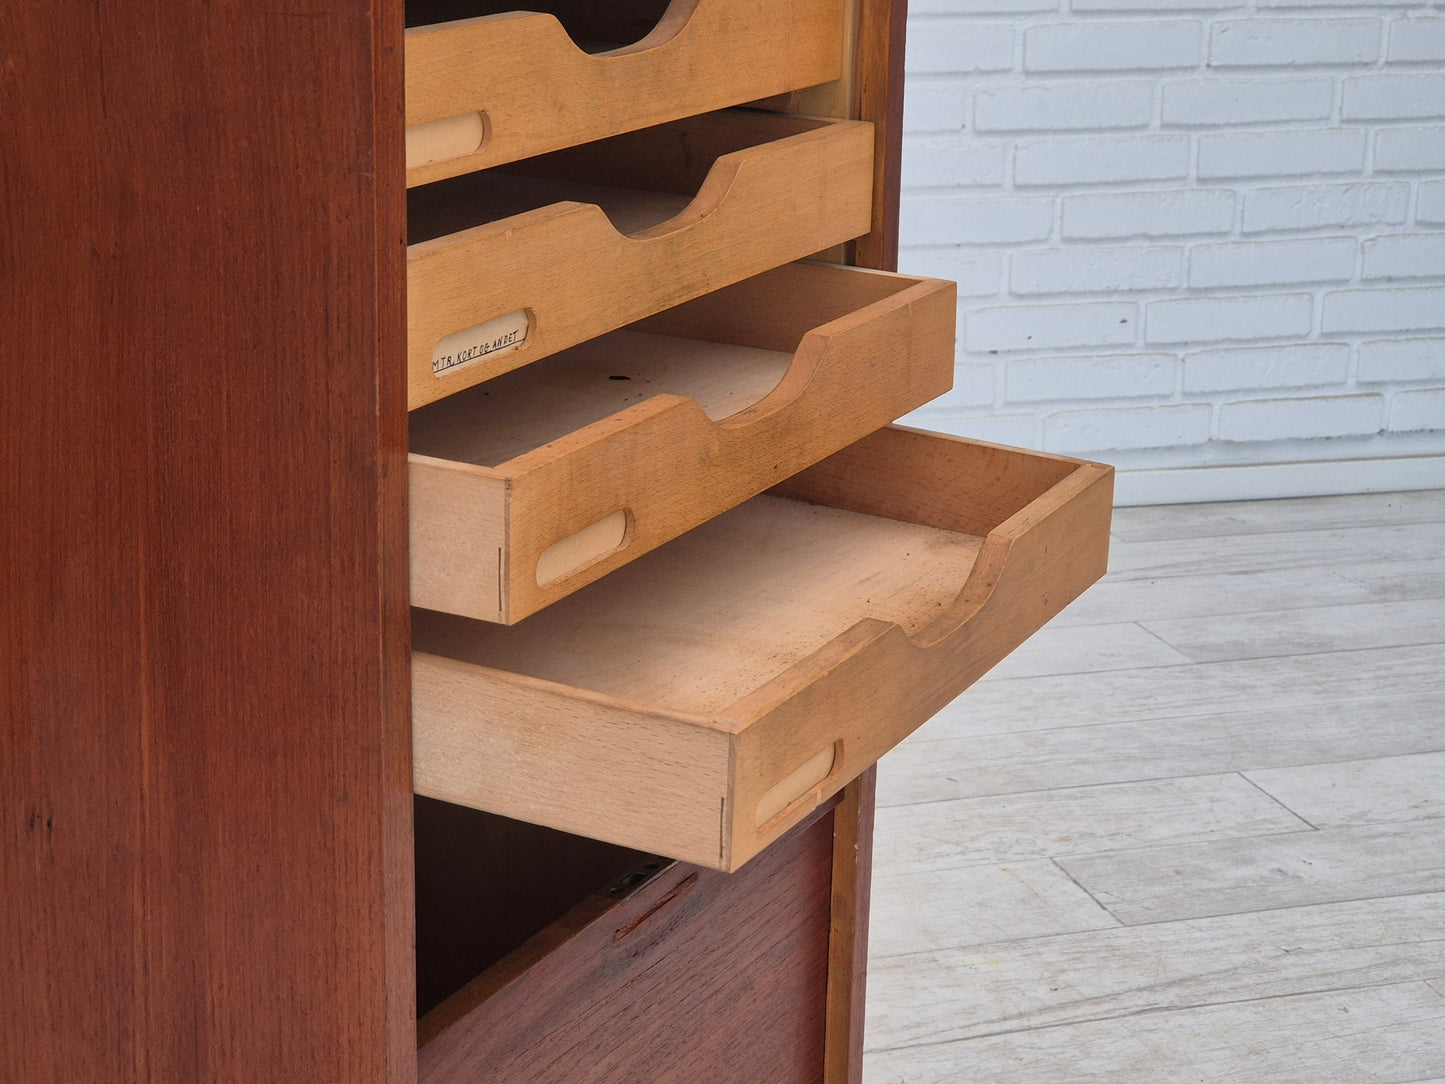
(1192, 831)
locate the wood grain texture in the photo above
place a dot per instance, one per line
(539, 92)
(763, 190)
(1399, 788)
(879, 102)
(1234, 518)
(1337, 546)
(740, 652)
(1393, 581)
(1319, 628)
(1349, 738)
(1304, 682)
(1213, 593)
(1119, 646)
(206, 826)
(699, 976)
(498, 469)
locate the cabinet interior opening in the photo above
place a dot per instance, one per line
(485, 884)
(595, 25)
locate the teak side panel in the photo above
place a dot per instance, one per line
(699, 976)
(848, 937)
(878, 71)
(875, 77)
(205, 825)
(520, 84)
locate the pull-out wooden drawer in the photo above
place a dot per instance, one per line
(486, 91)
(701, 700)
(532, 485)
(511, 265)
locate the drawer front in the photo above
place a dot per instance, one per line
(487, 91)
(697, 970)
(607, 234)
(704, 699)
(676, 420)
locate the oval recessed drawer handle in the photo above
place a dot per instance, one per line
(592, 543)
(442, 140)
(800, 784)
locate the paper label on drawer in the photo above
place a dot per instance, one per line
(462, 348)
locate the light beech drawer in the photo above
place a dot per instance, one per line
(532, 485)
(512, 265)
(703, 699)
(485, 91)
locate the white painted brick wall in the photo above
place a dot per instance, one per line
(1186, 232)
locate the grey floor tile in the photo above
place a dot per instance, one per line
(1234, 876)
(1361, 791)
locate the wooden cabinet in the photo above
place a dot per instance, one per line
(216, 866)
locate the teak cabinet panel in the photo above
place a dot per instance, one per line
(205, 838)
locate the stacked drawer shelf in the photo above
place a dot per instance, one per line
(679, 580)
(736, 659)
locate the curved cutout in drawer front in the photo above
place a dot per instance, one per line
(538, 482)
(486, 91)
(664, 216)
(706, 697)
